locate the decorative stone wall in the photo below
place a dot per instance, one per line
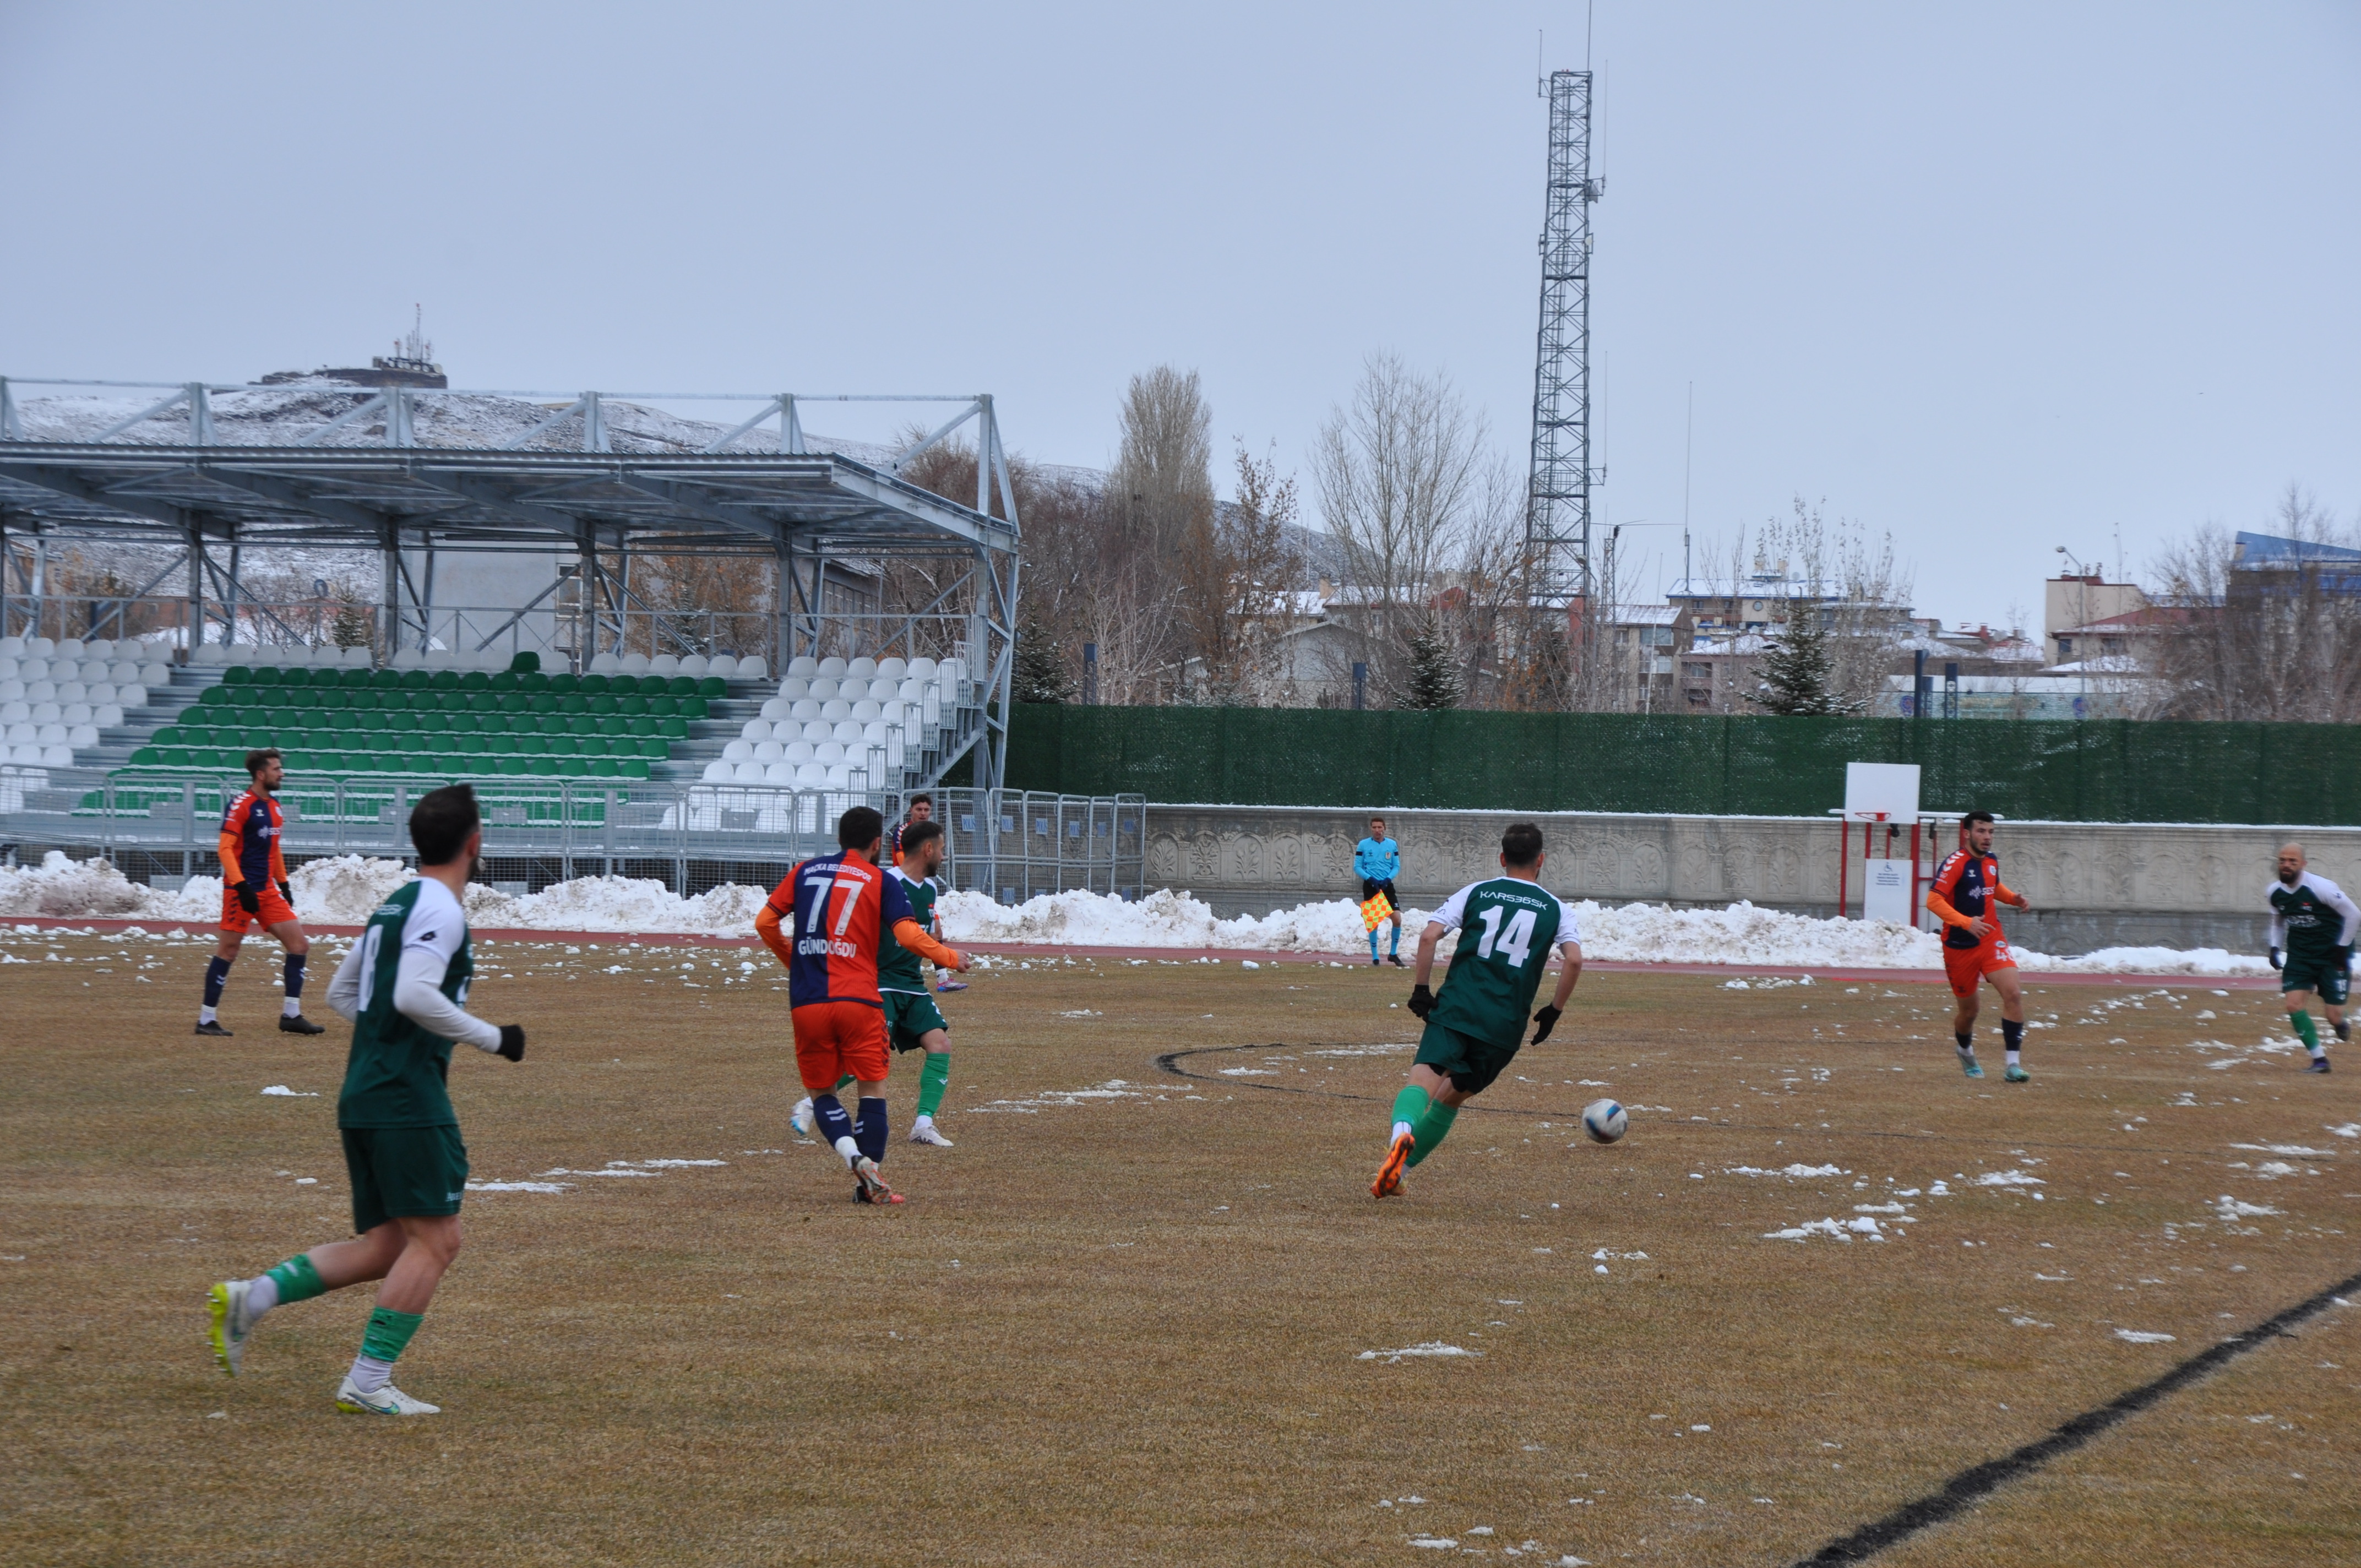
(2092, 884)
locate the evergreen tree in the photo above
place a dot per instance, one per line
(1434, 673)
(351, 628)
(1797, 670)
(1039, 673)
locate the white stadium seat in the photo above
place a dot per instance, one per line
(769, 752)
(795, 687)
(133, 697)
(865, 710)
(81, 735)
(776, 709)
(719, 772)
(753, 667)
(803, 710)
(797, 751)
(16, 711)
(921, 668)
(748, 772)
(45, 711)
(862, 668)
(835, 708)
(804, 666)
(893, 669)
(722, 665)
(58, 756)
(75, 713)
(665, 664)
(820, 688)
(635, 664)
(832, 667)
(67, 648)
(691, 665)
(755, 729)
(41, 691)
(737, 750)
(107, 716)
(847, 731)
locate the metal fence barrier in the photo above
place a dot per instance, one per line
(1008, 844)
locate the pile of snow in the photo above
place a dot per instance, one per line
(341, 891)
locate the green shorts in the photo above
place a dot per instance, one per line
(909, 1014)
(2324, 974)
(1471, 1064)
(405, 1173)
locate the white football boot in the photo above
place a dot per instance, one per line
(923, 1131)
(227, 1324)
(799, 1120)
(387, 1401)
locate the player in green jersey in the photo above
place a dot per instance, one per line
(404, 986)
(913, 1021)
(2313, 927)
(1507, 926)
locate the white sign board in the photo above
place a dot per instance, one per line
(1881, 790)
(1885, 892)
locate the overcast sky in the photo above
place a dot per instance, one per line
(1994, 280)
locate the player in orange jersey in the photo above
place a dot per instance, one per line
(1964, 897)
(837, 905)
(255, 893)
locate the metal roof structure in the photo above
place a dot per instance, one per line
(238, 466)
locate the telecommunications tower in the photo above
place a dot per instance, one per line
(1558, 516)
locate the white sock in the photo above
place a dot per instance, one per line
(205, 1014)
(922, 1120)
(290, 1007)
(1965, 1051)
(369, 1373)
(1400, 1127)
(261, 1295)
(2012, 1057)
(849, 1150)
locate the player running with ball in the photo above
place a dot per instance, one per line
(824, 922)
(1964, 897)
(2313, 925)
(404, 986)
(1506, 926)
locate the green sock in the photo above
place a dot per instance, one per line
(1409, 1105)
(2306, 1031)
(933, 1079)
(297, 1279)
(1431, 1128)
(388, 1333)
(843, 1083)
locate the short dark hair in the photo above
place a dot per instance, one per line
(1520, 846)
(859, 827)
(918, 833)
(258, 759)
(441, 822)
(921, 798)
(1974, 816)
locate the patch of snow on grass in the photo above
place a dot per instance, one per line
(1434, 1347)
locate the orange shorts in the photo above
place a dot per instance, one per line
(1966, 966)
(834, 1039)
(274, 910)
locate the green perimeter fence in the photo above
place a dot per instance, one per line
(2072, 771)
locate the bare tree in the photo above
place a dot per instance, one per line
(2263, 637)
(1233, 577)
(1162, 484)
(1396, 472)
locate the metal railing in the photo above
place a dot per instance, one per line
(1008, 844)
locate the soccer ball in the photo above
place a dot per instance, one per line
(1604, 1120)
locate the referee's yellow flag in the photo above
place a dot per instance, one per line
(1375, 911)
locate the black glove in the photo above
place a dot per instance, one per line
(247, 899)
(1422, 1001)
(287, 893)
(511, 1042)
(1544, 1020)
(2275, 958)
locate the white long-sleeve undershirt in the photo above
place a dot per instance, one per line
(417, 996)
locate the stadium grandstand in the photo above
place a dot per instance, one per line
(598, 726)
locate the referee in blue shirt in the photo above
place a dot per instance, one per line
(1376, 860)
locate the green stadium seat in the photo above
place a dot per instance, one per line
(147, 757)
(534, 681)
(352, 679)
(475, 681)
(362, 701)
(679, 686)
(660, 707)
(634, 769)
(564, 682)
(172, 756)
(213, 696)
(604, 768)
(614, 724)
(541, 702)
(712, 686)
(592, 686)
(265, 675)
(574, 768)
(640, 726)
(510, 767)
(544, 767)
(696, 708)
(482, 701)
(415, 680)
(385, 680)
(345, 721)
(654, 748)
(581, 724)
(506, 681)
(444, 680)
(514, 702)
(238, 675)
(294, 674)
(170, 735)
(631, 706)
(573, 702)
(600, 707)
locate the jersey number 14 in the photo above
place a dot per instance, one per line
(1515, 943)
